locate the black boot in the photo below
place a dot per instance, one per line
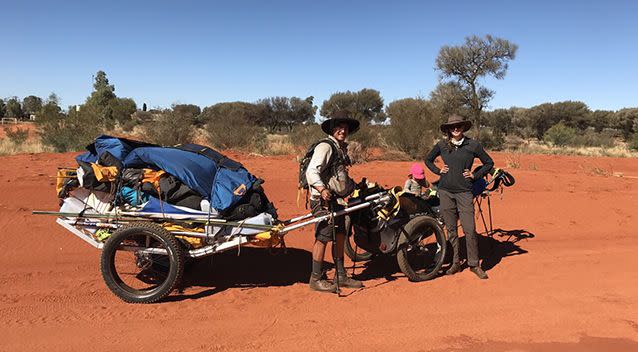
(453, 269)
(342, 277)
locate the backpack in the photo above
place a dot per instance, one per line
(305, 161)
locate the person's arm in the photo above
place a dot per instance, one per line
(487, 161)
(429, 159)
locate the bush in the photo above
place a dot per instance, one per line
(357, 153)
(170, 128)
(492, 139)
(69, 133)
(413, 126)
(18, 135)
(592, 139)
(235, 132)
(560, 135)
(633, 142)
(303, 136)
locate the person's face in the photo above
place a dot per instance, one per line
(457, 131)
(340, 131)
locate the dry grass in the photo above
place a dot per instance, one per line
(277, 144)
(534, 147)
(513, 161)
(7, 147)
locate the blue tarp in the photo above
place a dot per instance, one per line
(222, 186)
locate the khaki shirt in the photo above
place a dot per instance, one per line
(318, 174)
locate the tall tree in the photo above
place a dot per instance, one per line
(31, 105)
(14, 109)
(3, 108)
(466, 64)
(277, 113)
(102, 99)
(413, 126)
(365, 105)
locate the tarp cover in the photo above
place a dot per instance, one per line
(222, 186)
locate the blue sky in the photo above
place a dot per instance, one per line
(165, 52)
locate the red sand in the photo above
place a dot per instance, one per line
(572, 287)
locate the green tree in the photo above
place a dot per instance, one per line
(102, 100)
(466, 64)
(3, 108)
(31, 105)
(560, 135)
(413, 126)
(600, 119)
(279, 113)
(238, 110)
(500, 120)
(13, 108)
(365, 105)
(623, 120)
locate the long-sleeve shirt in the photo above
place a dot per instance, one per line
(458, 159)
(319, 174)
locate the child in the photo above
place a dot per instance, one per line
(416, 181)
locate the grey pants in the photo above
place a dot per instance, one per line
(453, 207)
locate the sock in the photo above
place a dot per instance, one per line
(341, 270)
(317, 268)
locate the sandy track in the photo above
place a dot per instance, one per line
(572, 287)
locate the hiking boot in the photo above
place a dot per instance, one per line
(479, 272)
(453, 269)
(348, 282)
(317, 283)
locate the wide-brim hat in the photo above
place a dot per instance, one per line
(456, 120)
(337, 118)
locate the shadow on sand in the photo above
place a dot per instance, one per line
(257, 267)
(492, 249)
(253, 267)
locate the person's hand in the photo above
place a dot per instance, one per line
(445, 169)
(468, 174)
(325, 194)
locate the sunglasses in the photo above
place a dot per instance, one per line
(459, 126)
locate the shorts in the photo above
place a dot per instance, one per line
(323, 229)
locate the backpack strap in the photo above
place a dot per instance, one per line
(219, 159)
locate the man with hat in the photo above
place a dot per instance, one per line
(455, 187)
(329, 183)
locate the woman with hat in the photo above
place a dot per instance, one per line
(458, 153)
(329, 183)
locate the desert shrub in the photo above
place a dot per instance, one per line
(235, 132)
(367, 135)
(560, 135)
(303, 136)
(492, 139)
(170, 128)
(591, 138)
(69, 133)
(357, 153)
(633, 142)
(18, 135)
(413, 126)
(276, 144)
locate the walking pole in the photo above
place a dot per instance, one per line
(334, 245)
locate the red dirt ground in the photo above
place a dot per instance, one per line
(572, 287)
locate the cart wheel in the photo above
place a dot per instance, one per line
(422, 247)
(358, 255)
(142, 262)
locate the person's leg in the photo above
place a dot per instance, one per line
(450, 218)
(466, 214)
(338, 254)
(317, 283)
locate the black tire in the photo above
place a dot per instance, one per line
(162, 272)
(358, 255)
(422, 247)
